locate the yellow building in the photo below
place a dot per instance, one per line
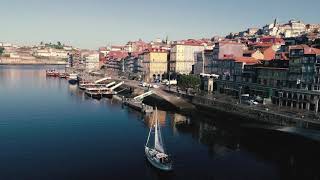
(155, 64)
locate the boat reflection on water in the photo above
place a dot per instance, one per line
(162, 116)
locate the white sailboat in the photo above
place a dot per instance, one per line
(156, 155)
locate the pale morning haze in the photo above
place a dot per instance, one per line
(90, 24)
(159, 90)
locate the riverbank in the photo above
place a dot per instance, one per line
(32, 61)
(208, 104)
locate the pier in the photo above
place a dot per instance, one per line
(178, 102)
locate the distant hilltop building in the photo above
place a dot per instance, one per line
(51, 53)
(293, 28)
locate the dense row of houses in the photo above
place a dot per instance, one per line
(152, 61)
(279, 62)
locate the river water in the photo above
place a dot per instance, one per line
(51, 130)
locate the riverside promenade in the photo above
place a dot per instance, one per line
(186, 102)
(180, 103)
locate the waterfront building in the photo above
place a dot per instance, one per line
(92, 61)
(183, 57)
(114, 62)
(273, 73)
(155, 64)
(304, 67)
(230, 73)
(303, 90)
(203, 66)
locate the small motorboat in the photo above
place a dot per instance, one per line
(52, 73)
(156, 155)
(73, 78)
(63, 75)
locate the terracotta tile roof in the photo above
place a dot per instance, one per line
(269, 53)
(263, 44)
(117, 54)
(103, 49)
(272, 39)
(307, 49)
(158, 50)
(247, 60)
(283, 56)
(249, 51)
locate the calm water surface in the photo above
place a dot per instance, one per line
(51, 130)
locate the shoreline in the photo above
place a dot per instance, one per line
(17, 64)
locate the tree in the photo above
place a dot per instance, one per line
(188, 81)
(58, 46)
(317, 43)
(1, 50)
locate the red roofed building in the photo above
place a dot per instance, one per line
(137, 46)
(268, 53)
(228, 49)
(272, 39)
(246, 60)
(117, 54)
(114, 60)
(117, 48)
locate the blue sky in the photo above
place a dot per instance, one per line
(94, 23)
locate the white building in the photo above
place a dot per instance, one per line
(92, 61)
(183, 57)
(291, 29)
(51, 53)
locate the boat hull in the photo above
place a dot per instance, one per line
(108, 95)
(73, 81)
(94, 95)
(154, 163)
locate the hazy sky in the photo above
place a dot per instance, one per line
(94, 23)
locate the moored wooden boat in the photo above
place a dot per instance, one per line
(52, 73)
(63, 75)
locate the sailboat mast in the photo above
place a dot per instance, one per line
(150, 131)
(155, 116)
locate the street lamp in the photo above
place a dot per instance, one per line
(240, 94)
(169, 79)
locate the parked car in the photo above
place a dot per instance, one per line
(143, 84)
(254, 102)
(171, 82)
(155, 86)
(164, 81)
